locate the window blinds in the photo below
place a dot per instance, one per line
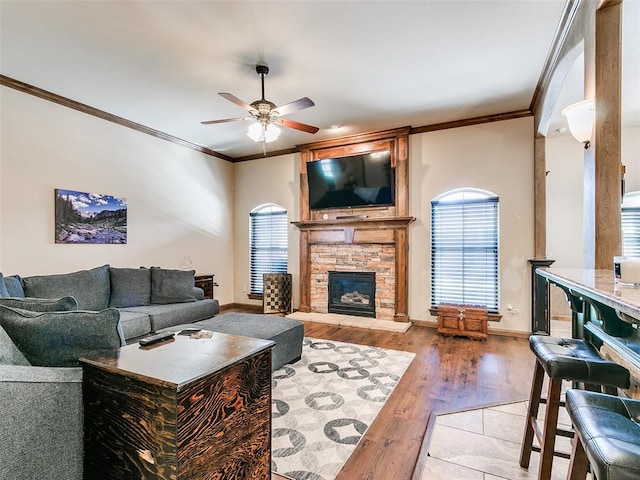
(268, 245)
(464, 252)
(630, 220)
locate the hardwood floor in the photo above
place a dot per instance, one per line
(448, 374)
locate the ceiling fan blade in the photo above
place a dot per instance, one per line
(294, 106)
(224, 120)
(285, 122)
(237, 101)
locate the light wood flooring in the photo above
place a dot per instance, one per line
(448, 374)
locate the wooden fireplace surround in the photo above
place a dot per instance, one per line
(363, 225)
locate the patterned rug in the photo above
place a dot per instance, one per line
(323, 404)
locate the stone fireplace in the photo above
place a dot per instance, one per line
(375, 260)
(352, 293)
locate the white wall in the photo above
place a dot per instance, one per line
(180, 201)
(267, 180)
(565, 185)
(496, 157)
(565, 194)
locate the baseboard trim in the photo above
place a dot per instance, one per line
(424, 323)
(492, 331)
(241, 306)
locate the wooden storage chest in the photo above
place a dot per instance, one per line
(463, 320)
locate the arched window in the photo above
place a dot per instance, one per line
(268, 243)
(631, 225)
(464, 248)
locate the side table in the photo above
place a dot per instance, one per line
(206, 283)
(181, 409)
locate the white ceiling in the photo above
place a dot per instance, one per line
(367, 65)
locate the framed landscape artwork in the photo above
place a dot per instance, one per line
(90, 218)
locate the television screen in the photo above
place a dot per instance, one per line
(356, 181)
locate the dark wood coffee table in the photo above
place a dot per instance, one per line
(185, 408)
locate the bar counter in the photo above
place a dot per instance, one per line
(604, 312)
(599, 285)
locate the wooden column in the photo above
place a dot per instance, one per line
(603, 166)
(402, 276)
(305, 270)
(540, 197)
(540, 298)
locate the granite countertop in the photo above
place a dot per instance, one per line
(599, 285)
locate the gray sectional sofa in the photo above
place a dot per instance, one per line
(41, 419)
(148, 299)
(41, 412)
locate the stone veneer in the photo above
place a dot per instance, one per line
(378, 258)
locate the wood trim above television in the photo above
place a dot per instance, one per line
(396, 141)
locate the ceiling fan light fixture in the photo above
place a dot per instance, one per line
(266, 114)
(261, 132)
(256, 132)
(271, 133)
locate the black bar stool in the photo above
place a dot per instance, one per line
(562, 359)
(607, 436)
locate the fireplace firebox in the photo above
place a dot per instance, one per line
(352, 293)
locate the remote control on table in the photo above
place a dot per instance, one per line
(158, 337)
(189, 331)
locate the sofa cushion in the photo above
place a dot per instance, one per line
(287, 333)
(172, 286)
(90, 288)
(130, 287)
(163, 316)
(59, 339)
(3, 287)
(41, 304)
(9, 353)
(14, 286)
(134, 324)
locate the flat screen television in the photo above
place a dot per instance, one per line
(355, 181)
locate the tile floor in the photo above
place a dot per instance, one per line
(484, 444)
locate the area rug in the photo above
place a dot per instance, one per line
(324, 404)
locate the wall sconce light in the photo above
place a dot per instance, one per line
(581, 117)
(263, 132)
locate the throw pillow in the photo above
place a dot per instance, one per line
(90, 288)
(59, 339)
(14, 286)
(130, 287)
(3, 288)
(41, 304)
(172, 286)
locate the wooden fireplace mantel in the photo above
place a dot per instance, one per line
(354, 230)
(355, 221)
(359, 226)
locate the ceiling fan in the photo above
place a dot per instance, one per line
(267, 115)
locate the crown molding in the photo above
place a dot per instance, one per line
(81, 107)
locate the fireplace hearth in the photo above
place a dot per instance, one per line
(352, 293)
